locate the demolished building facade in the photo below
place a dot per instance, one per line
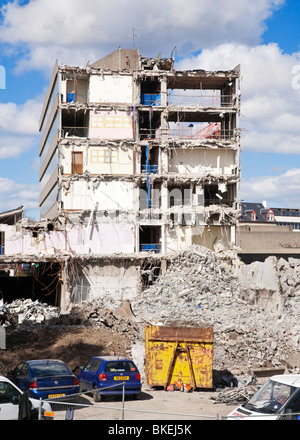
(138, 161)
(130, 142)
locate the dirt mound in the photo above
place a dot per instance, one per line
(72, 344)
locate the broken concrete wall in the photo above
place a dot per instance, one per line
(109, 158)
(262, 284)
(105, 238)
(83, 194)
(111, 282)
(110, 88)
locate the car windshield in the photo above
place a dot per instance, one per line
(119, 366)
(50, 369)
(270, 398)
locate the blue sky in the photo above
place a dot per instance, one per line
(261, 35)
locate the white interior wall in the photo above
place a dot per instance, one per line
(84, 194)
(197, 160)
(100, 159)
(111, 88)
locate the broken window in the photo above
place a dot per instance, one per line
(214, 196)
(150, 91)
(75, 123)
(150, 239)
(149, 160)
(149, 124)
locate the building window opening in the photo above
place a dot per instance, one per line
(150, 239)
(150, 273)
(74, 123)
(212, 195)
(149, 160)
(270, 216)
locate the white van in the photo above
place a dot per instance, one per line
(278, 399)
(10, 396)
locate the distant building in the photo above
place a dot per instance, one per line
(264, 232)
(256, 212)
(287, 217)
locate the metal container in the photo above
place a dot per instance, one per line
(179, 354)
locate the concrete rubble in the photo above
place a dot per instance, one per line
(22, 311)
(253, 326)
(254, 309)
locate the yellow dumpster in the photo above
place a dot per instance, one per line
(179, 354)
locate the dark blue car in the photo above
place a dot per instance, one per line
(46, 379)
(102, 373)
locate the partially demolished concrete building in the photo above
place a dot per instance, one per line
(138, 162)
(147, 154)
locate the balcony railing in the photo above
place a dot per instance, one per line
(217, 201)
(150, 99)
(151, 247)
(151, 169)
(75, 132)
(192, 132)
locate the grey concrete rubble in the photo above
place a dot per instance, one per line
(25, 310)
(254, 309)
(256, 321)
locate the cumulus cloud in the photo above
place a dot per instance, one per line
(270, 119)
(279, 191)
(21, 118)
(41, 28)
(14, 194)
(19, 127)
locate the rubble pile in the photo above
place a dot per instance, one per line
(25, 310)
(96, 314)
(201, 288)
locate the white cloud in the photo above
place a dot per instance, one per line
(54, 28)
(270, 117)
(20, 118)
(279, 191)
(19, 127)
(13, 195)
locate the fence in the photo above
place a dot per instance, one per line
(81, 406)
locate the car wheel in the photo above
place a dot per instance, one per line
(96, 395)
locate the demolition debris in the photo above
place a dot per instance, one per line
(25, 310)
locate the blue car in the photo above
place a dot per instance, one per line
(45, 379)
(102, 373)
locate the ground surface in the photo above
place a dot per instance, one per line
(73, 345)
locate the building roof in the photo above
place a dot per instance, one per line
(260, 210)
(11, 217)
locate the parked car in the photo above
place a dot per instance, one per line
(277, 399)
(10, 397)
(45, 379)
(102, 372)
